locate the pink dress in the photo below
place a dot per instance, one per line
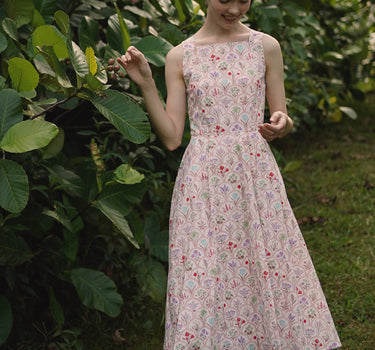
(240, 276)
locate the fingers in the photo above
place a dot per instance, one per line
(275, 128)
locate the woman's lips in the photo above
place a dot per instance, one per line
(230, 19)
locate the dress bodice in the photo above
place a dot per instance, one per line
(225, 85)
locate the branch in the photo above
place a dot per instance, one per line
(55, 105)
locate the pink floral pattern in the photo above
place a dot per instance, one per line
(240, 275)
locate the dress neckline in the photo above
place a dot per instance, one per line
(247, 39)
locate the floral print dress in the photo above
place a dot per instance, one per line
(240, 276)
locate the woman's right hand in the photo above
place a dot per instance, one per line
(136, 65)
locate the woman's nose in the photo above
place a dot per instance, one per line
(234, 9)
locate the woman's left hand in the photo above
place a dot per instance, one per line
(278, 126)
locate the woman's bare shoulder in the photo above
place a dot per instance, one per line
(176, 54)
(270, 44)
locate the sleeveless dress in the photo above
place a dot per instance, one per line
(240, 276)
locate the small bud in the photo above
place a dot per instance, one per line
(113, 76)
(116, 68)
(111, 61)
(110, 68)
(121, 74)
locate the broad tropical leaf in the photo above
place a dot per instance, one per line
(37, 20)
(10, 27)
(93, 82)
(180, 11)
(126, 115)
(46, 8)
(28, 135)
(115, 34)
(57, 66)
(116, 216)
(10, 110)
(115, 201)
(123, 29)
(21, 11)
(62, 20)
(55, 146)
(48, 35)
(23, 74)
(60, 216)
(65, 179)
(3, 43)
(78, 58)
(155, 49)
(14, 186)
(151, 276)
(13, 250)
(97, 291)
(88, 32)
(6, 319)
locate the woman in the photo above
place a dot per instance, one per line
(240, 276)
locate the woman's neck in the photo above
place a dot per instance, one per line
(216, 33)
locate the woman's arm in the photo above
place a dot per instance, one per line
(169, 123)
(280, 123)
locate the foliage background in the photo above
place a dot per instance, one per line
(85, 185)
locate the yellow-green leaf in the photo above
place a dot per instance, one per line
(48, 35)
(125, 174)
(90, 57)
(23, 74)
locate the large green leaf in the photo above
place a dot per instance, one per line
(55, 146)
(151, 276)
(23, 74)
(126, 115)
(57, 66)
(180, 10)
(61, 178)
(155, 49)
(62, 20)
(88, 32)
(46, 8)
(97, 291)
(6, 319)
(116, 201)
(116, 216)
(123, 30)
(37, 20)
(13, 250)
(60, 216)
(21, 11)
(115, 33)
(78, 58)
(28, 135)
(3, 43)
(10, 110)
(10, 27)
(14, 186)
(48, 35)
